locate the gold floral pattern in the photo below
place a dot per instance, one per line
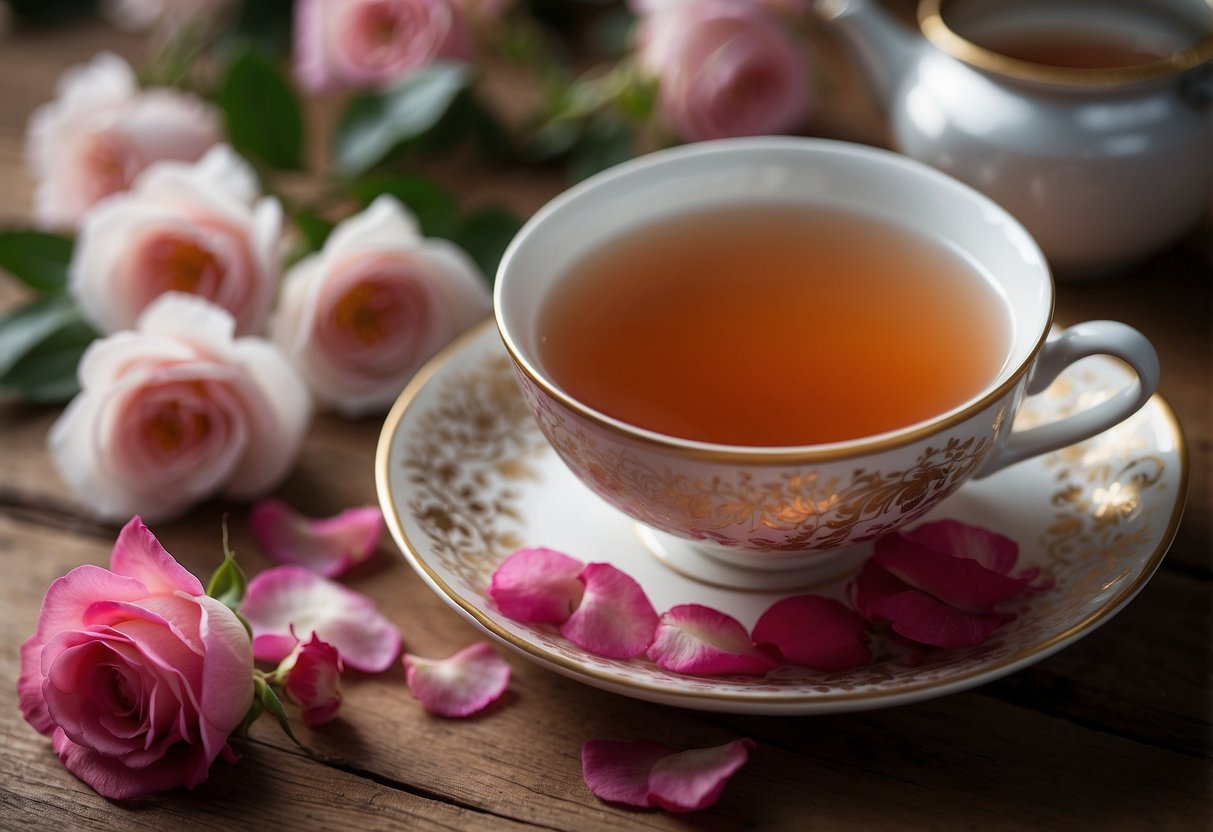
(471, 478)
(809, 509)
(465, 463)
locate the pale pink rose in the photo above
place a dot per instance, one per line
(179, 411)
(311, 678)
(101, 131)
(200, 228)
(136, 676)
(359, 318)
(724, 68)
(167, 14)
(361, 44)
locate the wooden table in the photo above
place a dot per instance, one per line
(1111, 733)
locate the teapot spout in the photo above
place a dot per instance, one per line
(884, 49)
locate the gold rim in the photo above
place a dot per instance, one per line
(990, 672)
(936, 29)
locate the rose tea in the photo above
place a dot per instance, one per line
(773, 325)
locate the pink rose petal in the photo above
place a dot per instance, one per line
(615, 618)
(693, 780)
(539, 585)
(290, 596)
(647, 774)
(956, 580)
(618, 772)
(992, 550)
(313, 680)
(138, 554)
(699, 640)
(461, 685)
(914, 614)
(815, 632)
(327, 546)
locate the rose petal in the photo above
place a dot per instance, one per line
(138, 554)
(615, 618)
(816, 632)
(952, 537)
(646, 774)
(699, 640)
(287, 596)
(461, 685)
(879, 595)
(313, 680)
(693, 780)
(956, 580)
(537, 584)
(618, 772)
(327, 546)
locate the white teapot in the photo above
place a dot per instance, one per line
(1089, 120)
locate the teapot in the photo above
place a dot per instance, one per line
(1091, 121)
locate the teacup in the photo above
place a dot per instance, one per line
(780, 508)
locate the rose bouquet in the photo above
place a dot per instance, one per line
(328, 281)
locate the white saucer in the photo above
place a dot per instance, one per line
(464, 478)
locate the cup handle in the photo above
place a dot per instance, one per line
(1079, 341)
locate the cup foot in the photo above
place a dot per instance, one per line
(781, 572)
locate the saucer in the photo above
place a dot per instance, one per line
(465, 478)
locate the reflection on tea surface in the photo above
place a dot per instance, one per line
(769, 324)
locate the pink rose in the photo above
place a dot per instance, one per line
(136, 676)
(359, 44)
(198, 228)
(101, 131)
(724, 68)
(179, 411)
(311, 678)
(359, 318)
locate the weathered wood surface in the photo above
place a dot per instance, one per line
(1111, 733)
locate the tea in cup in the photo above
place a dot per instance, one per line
(775, 348)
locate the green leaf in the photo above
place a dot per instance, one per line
(485, 235)
(264, 119)
(25, 327)
(607, 142)
(255, 710)
(273, 706)
(268, 25)
(435, 209)
(372, 126)
(314, 228)
(228, 583)
(37, 259)
(46, 374)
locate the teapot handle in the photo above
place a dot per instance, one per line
(1079, 341)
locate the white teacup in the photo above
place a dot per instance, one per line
(807, 500)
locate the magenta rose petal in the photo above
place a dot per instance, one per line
(615, 619)
(312, 680)
(692, 780)
(326, 546)
(815, 632)
(698, 640)
(618, 772)
(461, 685)
(290, 596)
(538, 584)
(917, 616)
(956, 580)
(953, 537)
